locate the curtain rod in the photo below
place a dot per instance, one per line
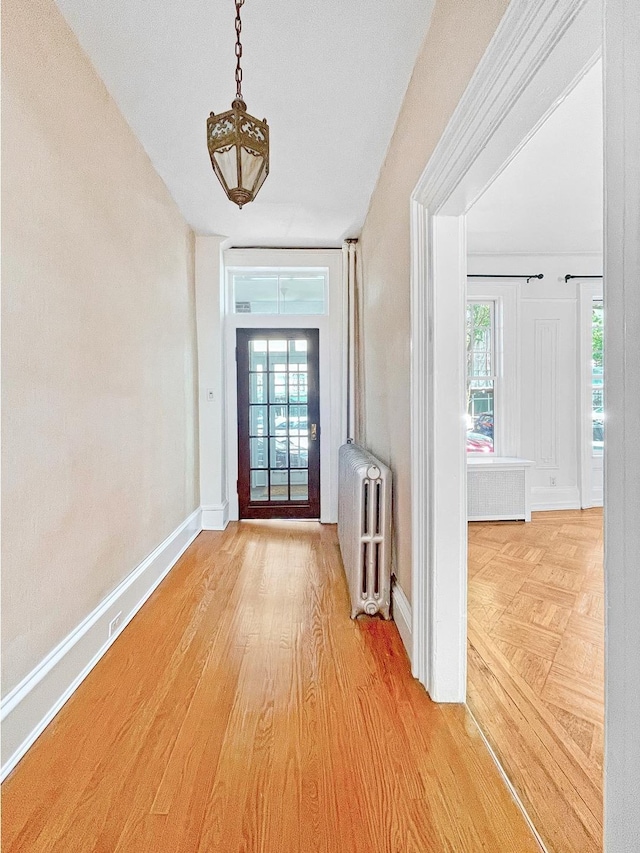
(488, 275)
(289, 248)
(567, 277)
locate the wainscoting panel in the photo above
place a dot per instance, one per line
(546, 392)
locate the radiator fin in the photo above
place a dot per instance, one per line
(364, 562)
(365, 508)
(364, 529)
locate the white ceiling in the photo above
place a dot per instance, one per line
(328, 75)
(549, 198)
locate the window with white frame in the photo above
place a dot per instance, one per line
(279, 291)
(482, 375)
(597, 386)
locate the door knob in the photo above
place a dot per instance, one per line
(314, 432)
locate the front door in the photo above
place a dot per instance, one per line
(278, 423)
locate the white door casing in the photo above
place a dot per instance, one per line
(332, 361)
(622, 405)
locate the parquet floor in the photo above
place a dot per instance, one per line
(243, 711)
(536, 666)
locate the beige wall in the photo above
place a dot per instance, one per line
(458, 36)
(99, 414)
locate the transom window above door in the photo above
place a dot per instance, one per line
(280, 291)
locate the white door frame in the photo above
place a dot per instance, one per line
(332, 361)
(538, 53)
(622, 405)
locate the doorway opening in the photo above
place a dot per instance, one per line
(534, 376)
(285, 406)
(509, 98)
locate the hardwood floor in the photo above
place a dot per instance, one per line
(242, 710)
(536, 666)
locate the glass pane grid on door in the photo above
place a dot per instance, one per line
(278, 420)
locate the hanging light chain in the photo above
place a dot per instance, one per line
(239, 5)
(238, 143)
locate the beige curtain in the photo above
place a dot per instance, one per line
(355, 348)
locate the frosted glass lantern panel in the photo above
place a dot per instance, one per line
(251, 164)
(226, 161)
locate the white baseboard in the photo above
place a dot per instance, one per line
(545, 498)
(32, 704)
(402, 616)
(215, 516)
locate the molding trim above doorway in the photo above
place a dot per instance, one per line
(538, 53)
(535, 58)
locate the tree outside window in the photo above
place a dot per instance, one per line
(481, 376)
(597, 383)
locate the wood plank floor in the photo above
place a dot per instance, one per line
(536, 666)
(242, 710)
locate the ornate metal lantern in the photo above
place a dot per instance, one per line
(239, 143)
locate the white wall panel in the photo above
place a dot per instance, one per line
(546, 333)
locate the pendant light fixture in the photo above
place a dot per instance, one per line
(239, 143)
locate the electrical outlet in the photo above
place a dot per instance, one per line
(552, 481)
(115, 623)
